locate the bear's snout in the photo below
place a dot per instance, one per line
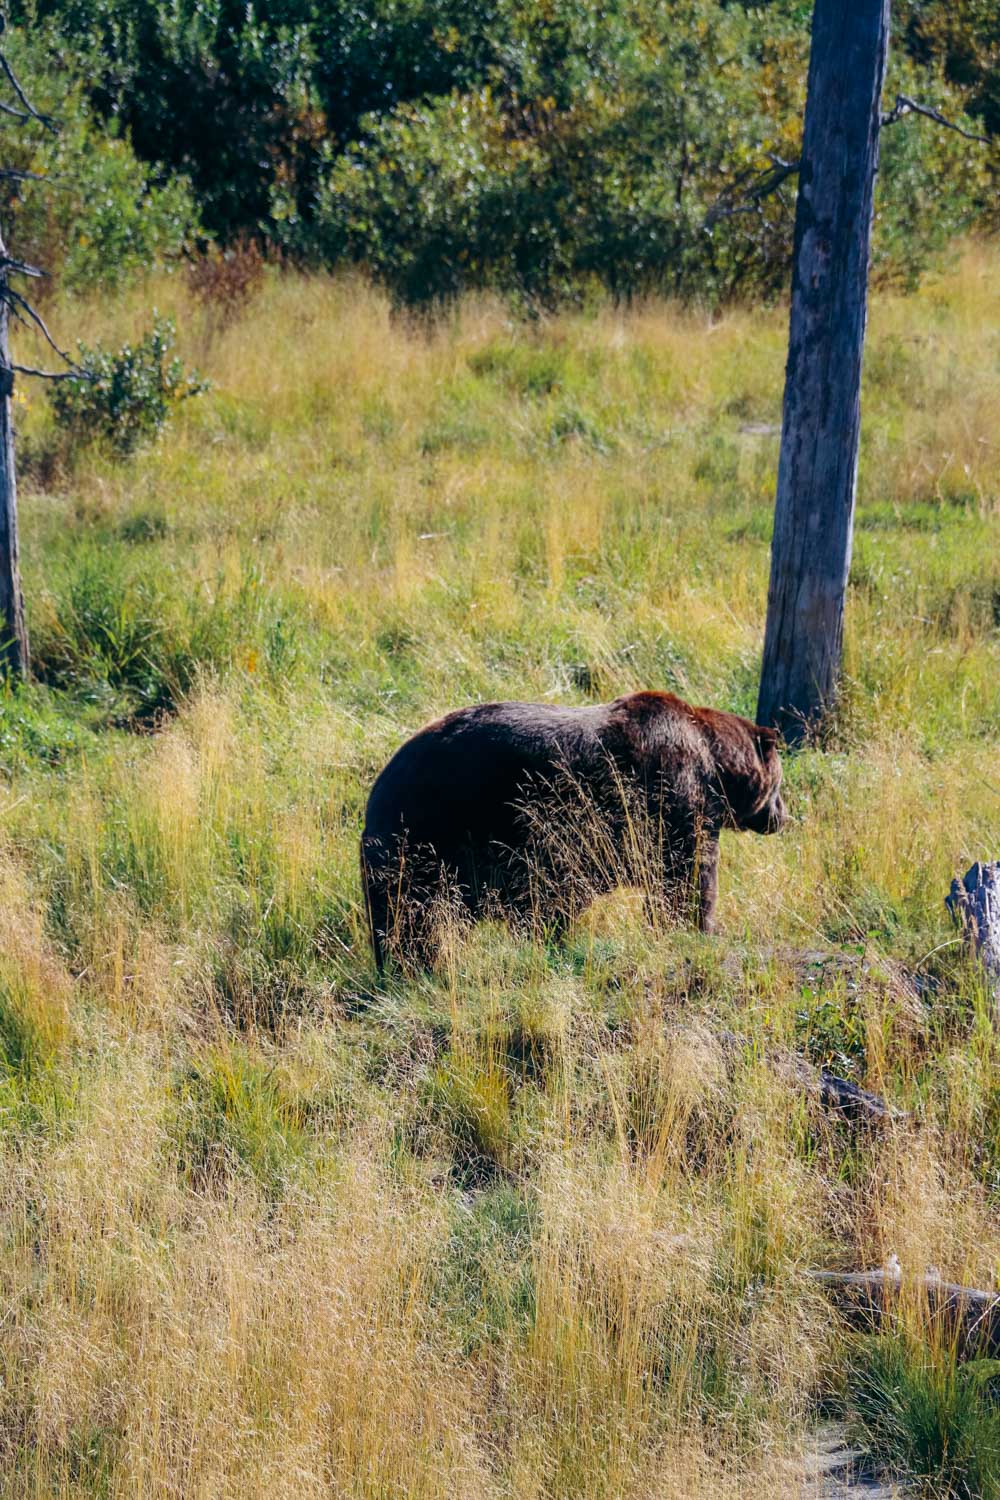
(771, 818)
(777, 814)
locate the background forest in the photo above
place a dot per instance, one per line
(544, 150)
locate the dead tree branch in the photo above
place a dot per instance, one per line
(844, 1100)
(746, 193)
(904, 105)
(20, 305)
(19, 267)
(15, 174)
(76, 373)
(30, 112)
(14, 302)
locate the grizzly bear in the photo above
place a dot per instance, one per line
(526, 811)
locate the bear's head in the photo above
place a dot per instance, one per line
(749, 771)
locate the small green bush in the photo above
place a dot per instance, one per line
(923, 1415)
(125, 398)
(107, 636)
(235, 1118)
(469, 1106)
(127, 639)
(486, 1282)
(37, 729)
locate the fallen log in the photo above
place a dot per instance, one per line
(869, 1298)
(838, 1095)
(854, 1103)
(974, 902)
(844, 1099)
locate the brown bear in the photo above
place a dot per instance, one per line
(526, 811)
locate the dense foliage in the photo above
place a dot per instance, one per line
(104, 215)
(534, 148)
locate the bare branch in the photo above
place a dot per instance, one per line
(18, 114)
(14, 174)
(16, 302)
(20, 267)
(19, 306)
(746, 193)
(77, 373)
(46, 120)
(904, 105)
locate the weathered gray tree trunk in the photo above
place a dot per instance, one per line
(13, 631)
(817, 469)
(975, 904)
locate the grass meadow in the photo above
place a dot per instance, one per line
(522, 1227)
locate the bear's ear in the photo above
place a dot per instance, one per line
(766, 738)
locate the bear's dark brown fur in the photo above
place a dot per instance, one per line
(525, 810)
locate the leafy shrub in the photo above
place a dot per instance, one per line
(612, 185)
(469, 1104)
(129, 637)
(223, 281)
(445, 144)
(236, 1118)
(126, 397)
(107, 635)
(249, 99)
(963, 38)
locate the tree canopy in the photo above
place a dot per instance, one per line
(538, 147)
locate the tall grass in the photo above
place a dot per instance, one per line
(520, 1226)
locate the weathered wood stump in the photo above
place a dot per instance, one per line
(869, 1299)
(975, 904)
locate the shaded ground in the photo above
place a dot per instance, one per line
(833, 1470)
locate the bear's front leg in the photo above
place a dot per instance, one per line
(708, 881)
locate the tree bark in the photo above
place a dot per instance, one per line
(817, 468)
(14, 639)
(975, 904)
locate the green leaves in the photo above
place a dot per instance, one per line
(590, 158)
(540, 150)
(127, 395)
(102, 216)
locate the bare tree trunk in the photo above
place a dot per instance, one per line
(14, 640)
(817, 470)
(975, 905)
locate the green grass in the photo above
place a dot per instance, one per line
(523, 1226)
(931, 1419)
